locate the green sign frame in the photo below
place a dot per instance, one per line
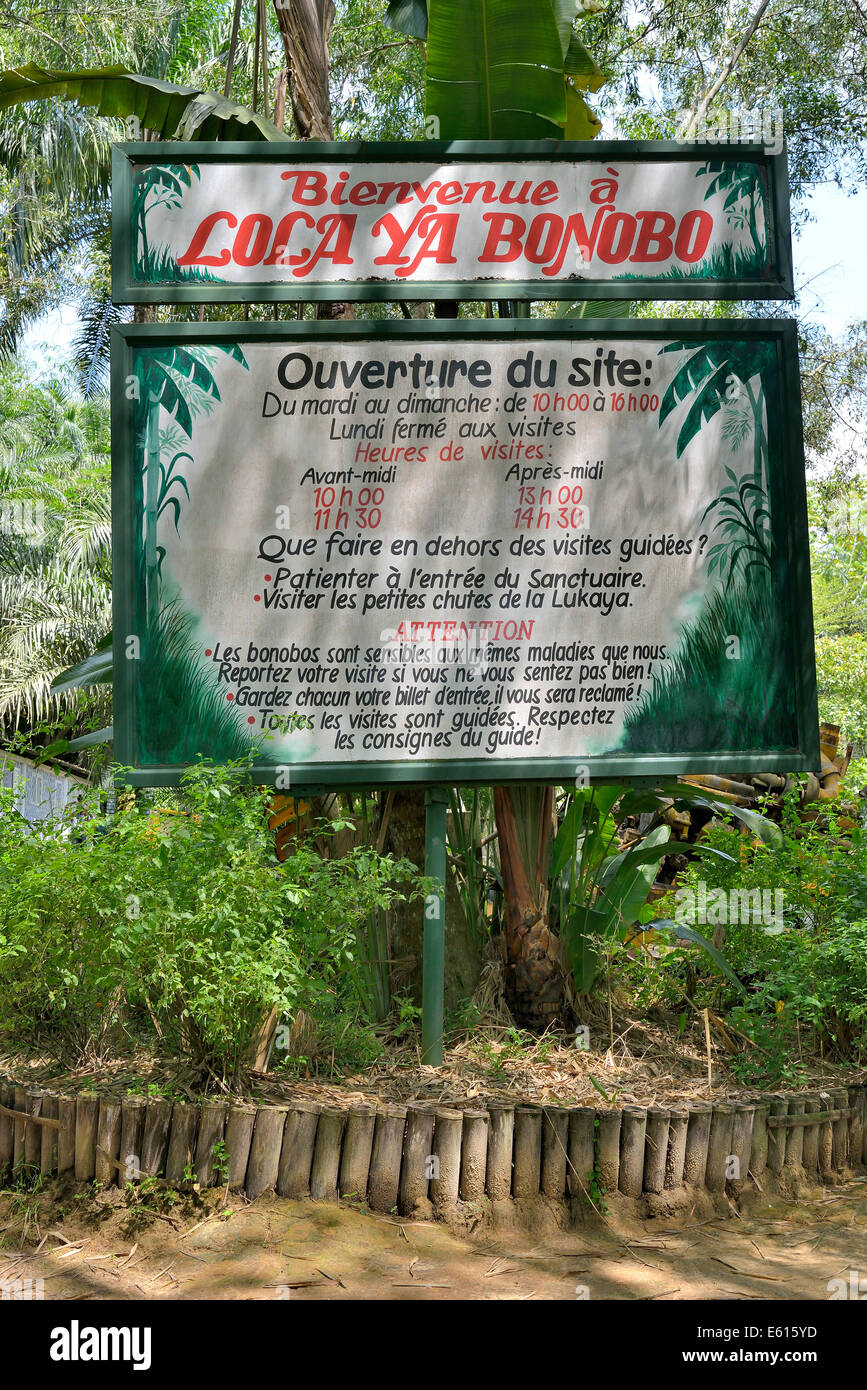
(788, 506)
(131, 286)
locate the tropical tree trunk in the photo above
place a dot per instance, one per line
(757, 405)
(535, 982)
(305, 26)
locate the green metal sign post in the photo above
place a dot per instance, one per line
(433, 972)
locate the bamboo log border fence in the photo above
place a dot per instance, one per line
(399, 1158)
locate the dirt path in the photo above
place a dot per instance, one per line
(274, 1249)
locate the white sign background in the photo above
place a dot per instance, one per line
(535, 191)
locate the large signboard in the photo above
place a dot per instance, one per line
(544, 220)
(527, 551)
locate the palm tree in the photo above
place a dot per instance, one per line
(714, 376)
(179, 381)
(55, 539)
(56, 174)
(55, 154)
(743, 202)
(717, 377)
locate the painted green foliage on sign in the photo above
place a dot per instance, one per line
(179, 709)
(155, 186)
(725, 686)
(746, 211)
(745, 199)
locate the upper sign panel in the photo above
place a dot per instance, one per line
(539, 220)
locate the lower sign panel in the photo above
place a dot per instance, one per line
(366, 552)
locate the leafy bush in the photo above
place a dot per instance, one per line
(58, 963)
(183, 919)
(806, 974)
(841, 671)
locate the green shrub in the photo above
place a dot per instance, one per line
(182, 919)
(59, 903)
(805, 976)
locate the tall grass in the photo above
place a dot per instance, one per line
(703, 700)
(726, 263)
(160, 267)
(471, 816)
(182, 712)
(369, 965)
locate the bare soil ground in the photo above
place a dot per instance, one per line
(111, 1245)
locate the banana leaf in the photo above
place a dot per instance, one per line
(495, 70)
(585, 826)
(653, 848)
(582, 67)
(97, 669)
(765, 830)
(684, 796)
(685, 933)
(578, 62)
(172, 112)
(590, 914)
(626, 879)
(408, 17)
(582, 123)
(583, 932)
(602, 899)
(564, 18)
(92, 740)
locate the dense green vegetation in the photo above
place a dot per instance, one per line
(176, 927)
(55, 541)
(169, 924)
(804, 963)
